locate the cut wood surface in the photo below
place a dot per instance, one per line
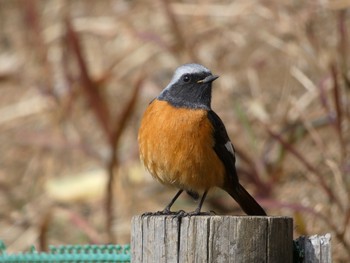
(211, 239)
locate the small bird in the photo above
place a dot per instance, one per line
(184, 143)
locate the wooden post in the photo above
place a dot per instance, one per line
(315, 249)
(211, 239)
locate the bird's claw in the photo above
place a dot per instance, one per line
(164, 212)
(182, 214)
(178, 214)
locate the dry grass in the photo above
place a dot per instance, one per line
(75, 77)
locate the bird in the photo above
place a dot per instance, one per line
(183, 143)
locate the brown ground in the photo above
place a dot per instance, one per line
(283, 94)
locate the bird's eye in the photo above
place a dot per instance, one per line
(186, 78)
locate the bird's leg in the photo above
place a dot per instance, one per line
(166, 210)
(198, 209)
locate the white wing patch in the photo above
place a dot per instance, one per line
(229, 147)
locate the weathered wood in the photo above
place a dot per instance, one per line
(211, 239)
(315, 249)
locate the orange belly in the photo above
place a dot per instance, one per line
(176, 146)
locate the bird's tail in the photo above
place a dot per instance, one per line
(245, 200)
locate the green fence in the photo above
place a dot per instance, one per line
(70, 253)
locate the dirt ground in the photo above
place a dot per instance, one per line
(76, 76)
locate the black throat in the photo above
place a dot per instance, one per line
(191, 96)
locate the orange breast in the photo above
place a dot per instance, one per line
(176, 146)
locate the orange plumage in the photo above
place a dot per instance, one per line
(176, 146)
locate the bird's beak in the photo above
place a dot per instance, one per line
(208, 79)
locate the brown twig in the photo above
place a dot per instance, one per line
(343, 38)
(93, 95)
(338, 107)
(84, 225)
(330, 193)
(43, 230)
(253, 173)
(36, 40)
(181, 44)
(113, 163)
(324, 98)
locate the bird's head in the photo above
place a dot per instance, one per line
(190, 87)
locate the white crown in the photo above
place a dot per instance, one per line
(187, 69)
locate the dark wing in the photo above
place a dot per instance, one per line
(224, 149)
(223, 146)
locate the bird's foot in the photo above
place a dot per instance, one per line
(165, 212)
(178, 214)
(199, 213)
(182, 213)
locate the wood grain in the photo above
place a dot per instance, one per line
(212, 239)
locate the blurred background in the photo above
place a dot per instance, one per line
(76, 76)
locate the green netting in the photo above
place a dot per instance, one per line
(70, 253)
